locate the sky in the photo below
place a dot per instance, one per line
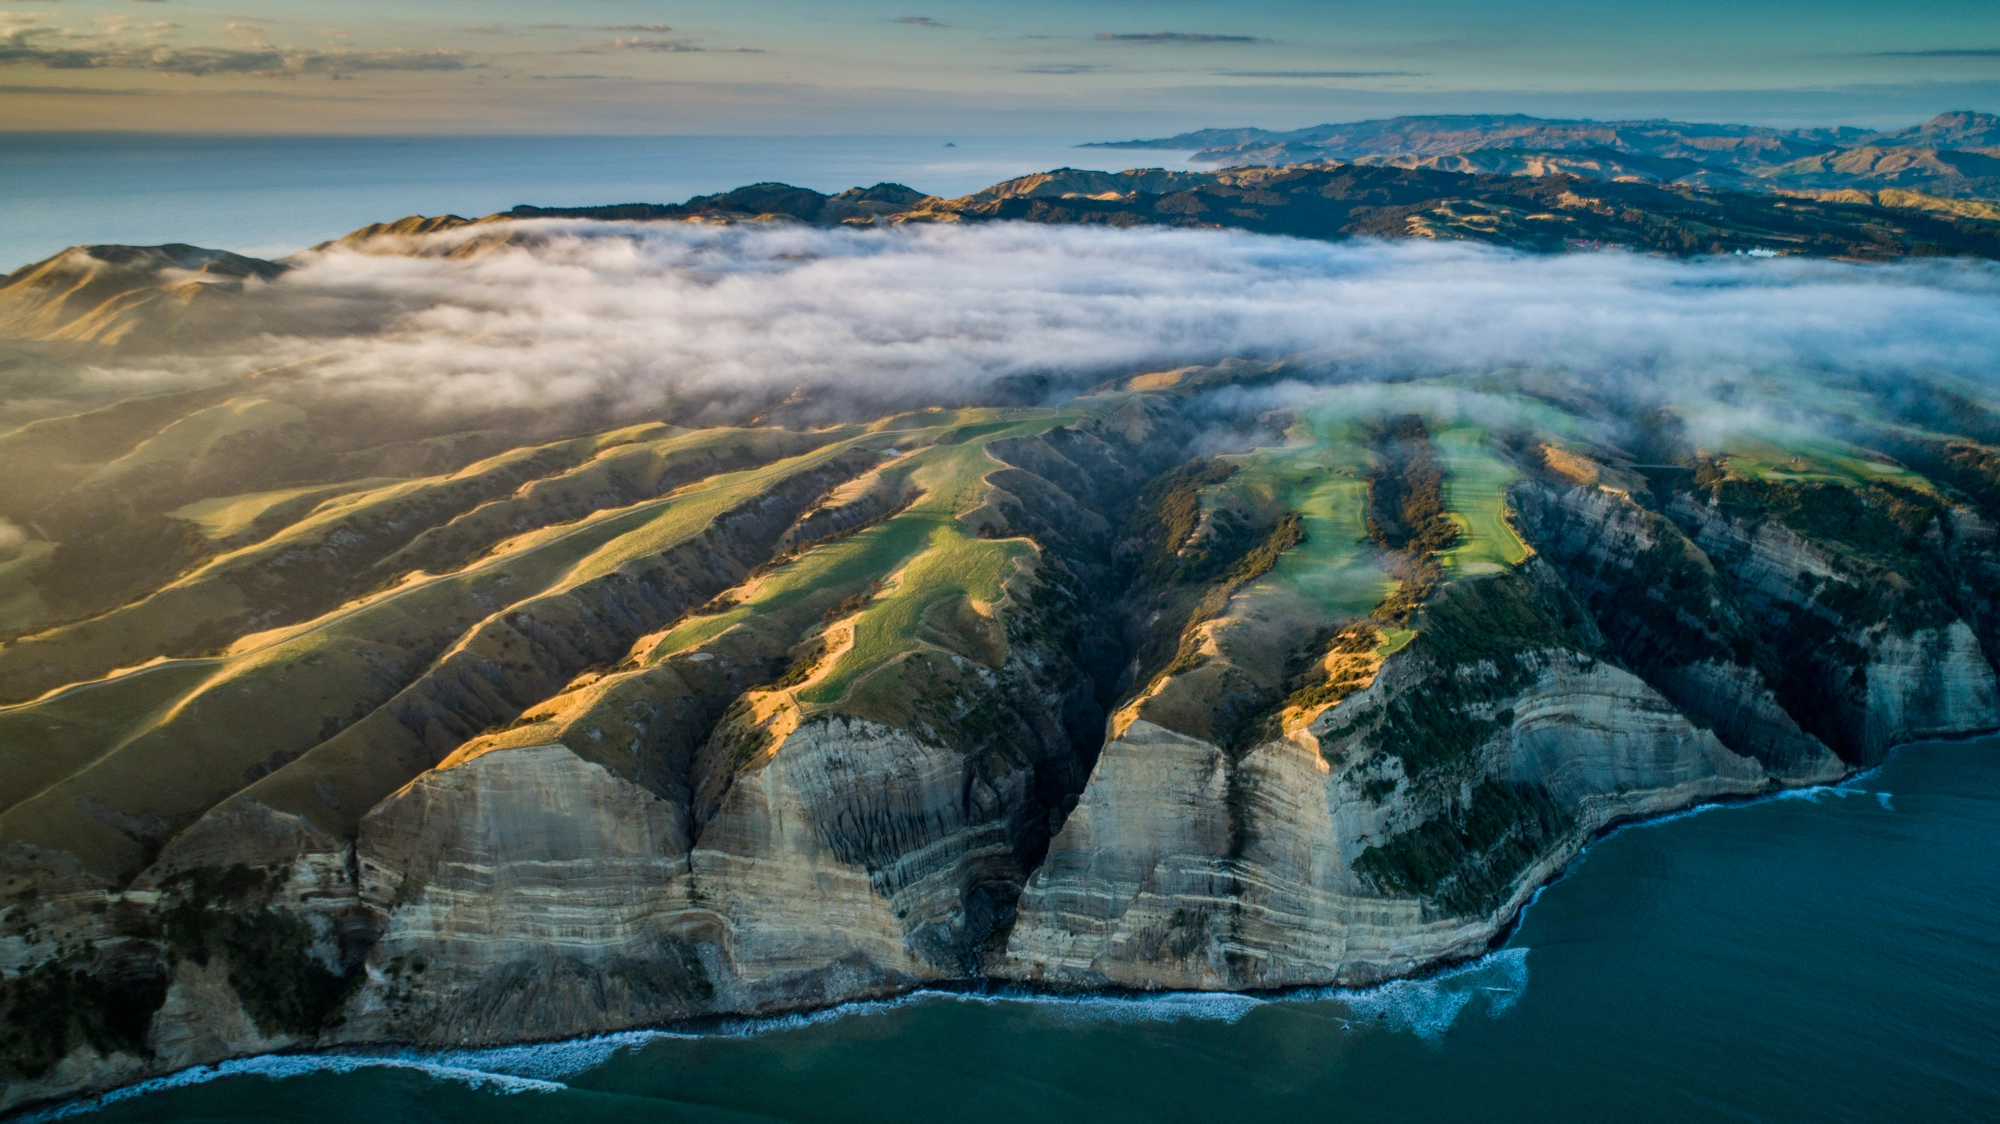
(1110, 68)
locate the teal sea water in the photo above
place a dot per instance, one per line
(1826, 956)
(273, 195)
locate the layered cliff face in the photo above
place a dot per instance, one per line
(1143, 688)
(1403, 825)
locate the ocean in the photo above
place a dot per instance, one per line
(1827, 955)
(269, 196)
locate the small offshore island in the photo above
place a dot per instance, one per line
(337, 717)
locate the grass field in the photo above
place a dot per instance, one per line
(188, 438)
(21, 605)
(923, 554)
(1799, 457)
(1322, 475)
(226, 517)
(1476, 492)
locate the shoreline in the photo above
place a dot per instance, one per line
(520, 1060)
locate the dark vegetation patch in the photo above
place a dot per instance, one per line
(676, 973)
(1663, 612)
(1662, 607)
(283, 986)
(1969, 468)
(1406, 512)
(1465, 862)
(1172, 507)
(1406, 509)
(1882, 518)
(1661, 451)
(1253, 565)
(1484, 640)
(59, 1006)
(1502, 616)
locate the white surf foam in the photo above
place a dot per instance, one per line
(1171, 1006)
(553, 1062)
(1429, 1007)
(281, 1066)
(1426, 1007)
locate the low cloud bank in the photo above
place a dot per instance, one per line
(635, 315)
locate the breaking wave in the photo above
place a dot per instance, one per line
(1429, 1006)
(280, 1066)
(1425, 1007)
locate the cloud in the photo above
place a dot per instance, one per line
(920, 21)
(663, 46)
(126, 25)
(1060, 68)
(642, 315)
(517, 29)
(1319, 74)
(1175, 37)
(11, 538)
(221, 60)
(649, 27)
(87, 91)
(1939, 53)
(124, 44)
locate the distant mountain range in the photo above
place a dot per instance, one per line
(1953, 155)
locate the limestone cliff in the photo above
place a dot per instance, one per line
(1404, 825)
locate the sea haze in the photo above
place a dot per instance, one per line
(269, 196)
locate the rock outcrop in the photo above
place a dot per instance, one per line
(1405, 825)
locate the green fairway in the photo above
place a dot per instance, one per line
(1321, 475)
(1476, 492)
(1782, 455)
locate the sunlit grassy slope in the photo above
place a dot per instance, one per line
(1475, 491)
(1785, 455)
(227, 518)
(922, 555)
(171, 740)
